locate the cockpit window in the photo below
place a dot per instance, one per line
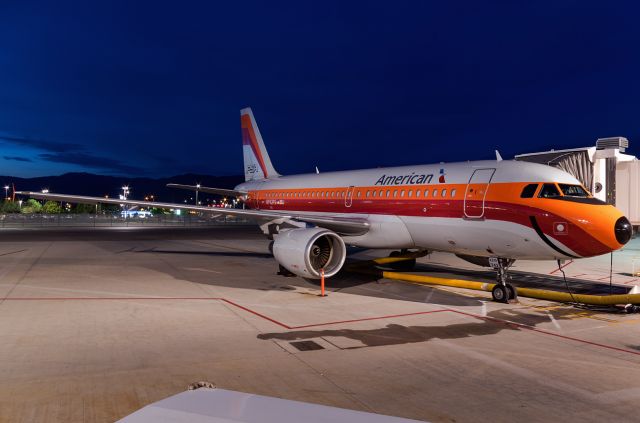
(549, 191)
(528, 191)
(573, 190)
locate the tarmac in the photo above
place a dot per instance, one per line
(97, 323)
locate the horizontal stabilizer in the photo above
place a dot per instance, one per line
(219, 191)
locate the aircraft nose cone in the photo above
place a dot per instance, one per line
(623, 230)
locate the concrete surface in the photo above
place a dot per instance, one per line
(96, 324)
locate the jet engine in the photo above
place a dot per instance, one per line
(306, 251)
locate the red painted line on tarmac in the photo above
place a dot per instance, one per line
(284, 325)
(248, 310)
(104, 298)
(544, 332)
(561, 267)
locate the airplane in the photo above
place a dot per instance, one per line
(489, 212)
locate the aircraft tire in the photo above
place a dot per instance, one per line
(500, 294)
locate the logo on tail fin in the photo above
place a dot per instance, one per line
(257, 164)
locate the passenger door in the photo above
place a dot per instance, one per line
(348, 199)
(476, 192)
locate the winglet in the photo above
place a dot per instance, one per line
(498, 156)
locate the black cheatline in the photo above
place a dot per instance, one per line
(541, 234)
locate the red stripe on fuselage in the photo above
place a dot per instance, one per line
(577, 239)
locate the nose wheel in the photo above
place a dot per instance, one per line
(503, 292)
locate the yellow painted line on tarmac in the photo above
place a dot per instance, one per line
(540, 294)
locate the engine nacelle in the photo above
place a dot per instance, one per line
(306, 251)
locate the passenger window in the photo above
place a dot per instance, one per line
(453, 193)
(418, 193)
(373, 194)
(435, 193)
(395, 192)
(402, 193)
(359, 193)
(549, 191)
(388, 192)
(410, 193)
(529, 191)
(444, 192)
(380, 193)
(426, 193)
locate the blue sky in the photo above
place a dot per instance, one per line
(154, 89)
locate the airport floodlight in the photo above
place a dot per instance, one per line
(20, 203)
(6, 192)
(45, 191)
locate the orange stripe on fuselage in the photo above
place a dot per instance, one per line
(245, 122)
(593, 222)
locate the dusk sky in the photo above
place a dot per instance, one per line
(150, 88)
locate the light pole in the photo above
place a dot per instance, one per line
(125, 192)
(20, 204)
(6, 192)
(44, 191)
(197, 188)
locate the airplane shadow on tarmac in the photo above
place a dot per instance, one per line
(395, 334)
(345, 281)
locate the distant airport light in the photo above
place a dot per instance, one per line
(20, 203)
(6, 192)
(45, 191)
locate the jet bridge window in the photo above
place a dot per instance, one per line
(573, 190)
(529, 191)
(549, 191)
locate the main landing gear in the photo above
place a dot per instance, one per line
(503, 292)
(404, 265)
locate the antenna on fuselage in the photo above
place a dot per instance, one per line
(498, 156)
(317, 171)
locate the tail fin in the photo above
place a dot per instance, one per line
(257, 164)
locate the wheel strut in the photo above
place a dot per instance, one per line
(503, 292)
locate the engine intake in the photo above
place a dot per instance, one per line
(306, 251)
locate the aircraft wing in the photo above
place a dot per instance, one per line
(219, 191)
(341, 225)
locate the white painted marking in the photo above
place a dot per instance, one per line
(554, 321)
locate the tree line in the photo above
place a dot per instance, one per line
(32, 206)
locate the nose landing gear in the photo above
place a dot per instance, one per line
(503, 292)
